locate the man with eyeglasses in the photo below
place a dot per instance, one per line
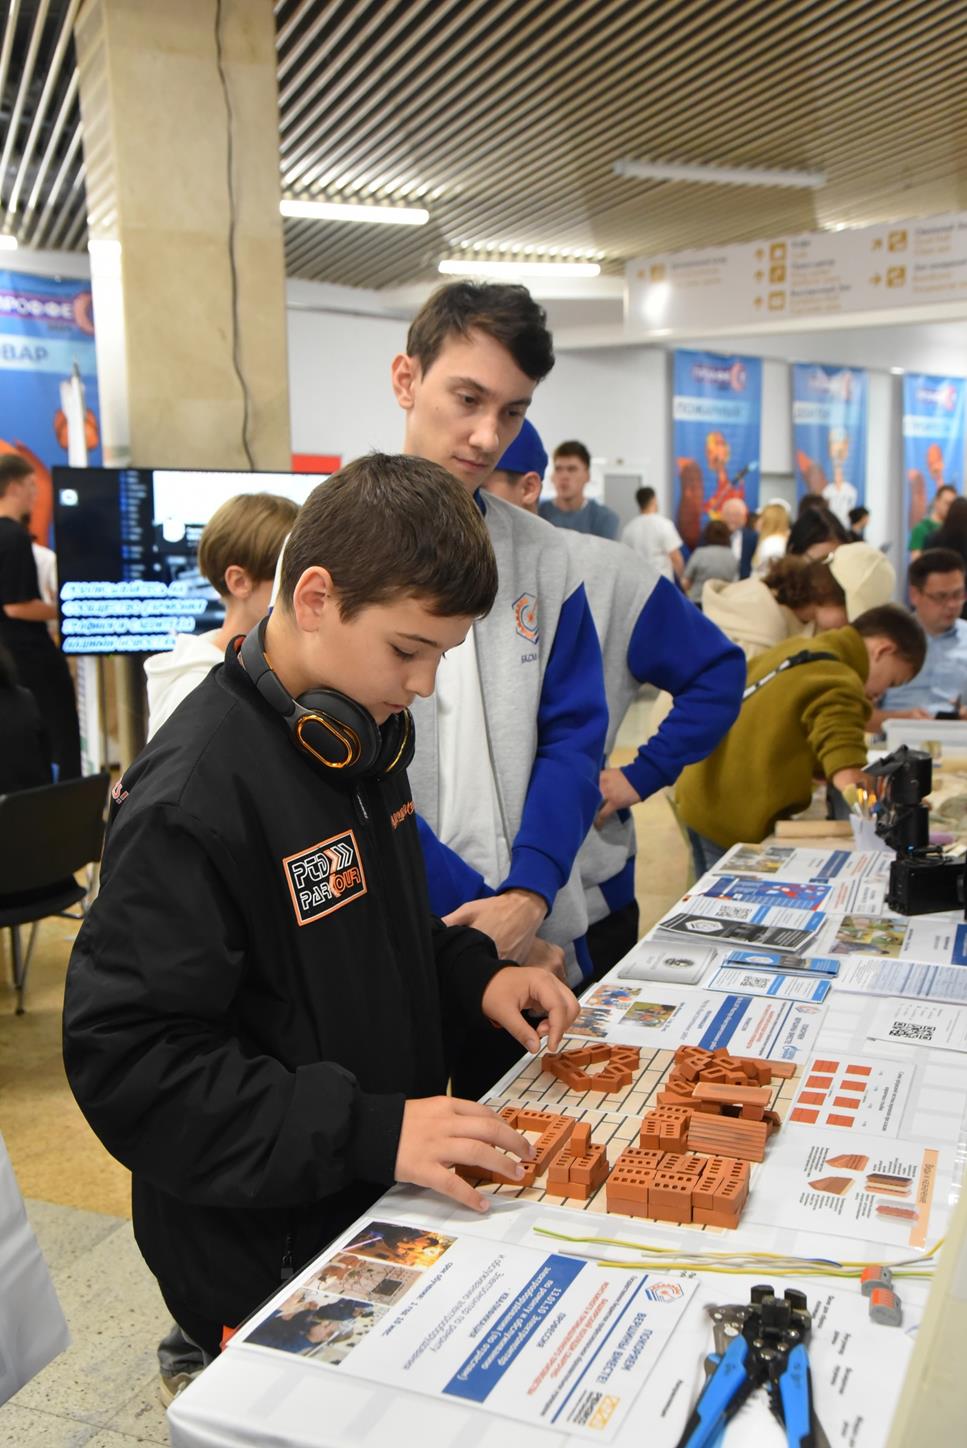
(937, 592)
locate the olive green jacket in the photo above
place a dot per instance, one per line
(805, 722)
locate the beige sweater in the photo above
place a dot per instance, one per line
(748, 613)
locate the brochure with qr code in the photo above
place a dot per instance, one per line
(920, 1023)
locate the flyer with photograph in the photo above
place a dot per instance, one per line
(791, 863)
(851, 895)
(661, 1017)
(544, 1339)
(929, 939)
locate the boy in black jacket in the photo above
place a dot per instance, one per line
(258, 1003)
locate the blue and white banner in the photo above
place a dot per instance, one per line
(829, 434)
(933, 440)
(716, 413)
(48, 380)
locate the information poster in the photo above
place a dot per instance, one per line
(716, 409)
(539, 1337)
(933, 440)
(829, 435)
(50, 403)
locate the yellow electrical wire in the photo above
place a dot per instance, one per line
(737, 1263)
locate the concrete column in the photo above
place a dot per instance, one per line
(180, 121)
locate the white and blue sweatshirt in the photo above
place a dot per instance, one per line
(546, 719)
(673, 647)
(670, 645)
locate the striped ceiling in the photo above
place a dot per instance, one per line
(504, 118)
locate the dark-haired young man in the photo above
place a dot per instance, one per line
(655, 537)
(259, 1003)
(24, 615)
(509, 749)
(570, 508)
(805, 719)
(937, 593)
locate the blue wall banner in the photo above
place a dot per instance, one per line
(933, 440)
(716, 410)
(48, 379)
(829, 434)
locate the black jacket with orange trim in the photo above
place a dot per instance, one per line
(256, 991)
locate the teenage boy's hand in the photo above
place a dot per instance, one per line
(511, 920)
(546, 956)
(520, 988)
(440, 1132)
(618, 792)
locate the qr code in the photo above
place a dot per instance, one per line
(910, 1031)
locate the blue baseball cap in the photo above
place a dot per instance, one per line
(526, 453)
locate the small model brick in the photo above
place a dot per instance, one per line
(580, 1168)
(571, 1067)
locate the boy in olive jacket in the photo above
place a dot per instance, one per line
(806, 719)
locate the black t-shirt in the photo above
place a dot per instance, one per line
(18, 584)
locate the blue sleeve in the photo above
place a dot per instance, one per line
(450, 880)
(572, 722)
(678, 649)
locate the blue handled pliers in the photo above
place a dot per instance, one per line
(759, 1344)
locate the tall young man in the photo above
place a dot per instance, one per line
(649, 634)
(510, 748)
(570, 508)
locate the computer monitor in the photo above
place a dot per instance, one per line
(127, 552)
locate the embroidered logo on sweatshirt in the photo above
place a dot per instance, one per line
(525, 613)
(325, 877)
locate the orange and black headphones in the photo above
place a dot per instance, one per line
(330, 727)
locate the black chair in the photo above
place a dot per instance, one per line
(46, 835)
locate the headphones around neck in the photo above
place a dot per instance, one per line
(330, 727)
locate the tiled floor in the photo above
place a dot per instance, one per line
(102, 1392)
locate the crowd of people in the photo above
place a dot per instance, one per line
(377, 814)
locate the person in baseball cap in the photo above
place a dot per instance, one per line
(867, 578)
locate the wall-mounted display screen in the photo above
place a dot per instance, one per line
(127, 552)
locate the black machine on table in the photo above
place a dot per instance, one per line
(922, 878)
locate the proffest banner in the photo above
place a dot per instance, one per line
(716, 417)
(829, 434)
(933, 440)
(48, 380)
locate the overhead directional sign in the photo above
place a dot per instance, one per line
(818, 274)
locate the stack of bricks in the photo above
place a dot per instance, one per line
(579, 1169)
(571, 1067)
(678, 1187)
